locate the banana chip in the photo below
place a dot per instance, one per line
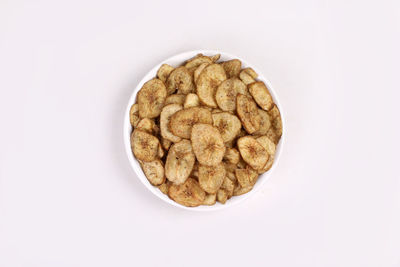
(144, 145)
(198, 70)
(270, 147)
(181, 122)
(191, 100)
(208, 145)
(164, 187)
(228, 125)
(147, 125)
(241, 190)
(210, 199)
(261, 95)
(164, 71)
(226, 93)
(275, 132)
(180, 162)
(208, 81)
(180, 79)
(215, 58)
(248, 113)
(134, 115)
(232, 67)
(175, 99)
(165, 143)
(248, 76)
(151, 98)
(188, 194)
(197, 61)
(222, 196)
(154, 171)
(246, 177)
(211, 177)
(228, 185)
(252, 152)
(232, 155)
(265, 123)
(165, 117)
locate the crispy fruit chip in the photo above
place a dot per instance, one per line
(191, 100)
(222, 196)
(248, 76)
(208, 81)
(252, 152)
(144, 145)
(188, 194)
(275, 131)
(181, 122)
(147, 125)
(164, 187)
(228, 125)
(175, 99)
(180, 79)
(165, 117)
(210, 199)
(265, 123)
(134, 115)
(261, 95)
(248, 113)
(211, 177)
(241, 190)
(154, 171)
(197, 61)
(164, 71)
(270, 147)
(165, 143)
(228, 185)
(160, 151)
(246, 177)
(208, 145)
(232, 67)
(226, 93)
(232, 155)
(151, 98)
(180, 161)
(198, 70)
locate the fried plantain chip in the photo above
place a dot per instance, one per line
(164, 71)
(198, 70)
(151, 98)
(226, 93)
(147, 125)
(241, 190)
(164, 187)
(134, 115)
(210, 199)
(197, 61)
(270, 147)
(180, 79)
(180, 162)
(252, 152)
(227, 124)
(211, 177)
(261, 95)
(228, 185)
(182, 121)
(248, 113)
(165, 143)
(165, 117)
(191, 100)
(248, 76)
(188, 194)
(232, 67)
(144, 145)
(208, 81)
(154, 171)
(246, 177)
(265, 123)
(232, 155)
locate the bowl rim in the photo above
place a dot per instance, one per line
(127, 129)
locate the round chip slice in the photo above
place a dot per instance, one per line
(154, 171)
(210, 199)
(228, 185)
(248, 76)
(164, 71)
(180, 161)
(147, 125)
(265, 123)
(182, 121)
(252, 152)
(270, 147)
(144, 145)
(226, 93)
(197, 61)
(175, 99)
(134, 115)
(188, 194)
(211, 177)
(232, 155)
(248, 113)
(222, 196)
(208, 145)
(208, 81)
(261, 95)
(165, 118)
(246, 177)
(192, 100)
(198, 70)
(151, 98)
(181, 79)
(232, 67)
(228, 125)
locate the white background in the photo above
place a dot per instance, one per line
(68, 196)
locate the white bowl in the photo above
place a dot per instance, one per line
(175, 61)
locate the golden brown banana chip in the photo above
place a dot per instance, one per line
(208, 145)
(265, 123)
(151, 98)
(248, 76)
(210, 199)
(232, 67)
(191, 100)
(232, 155)
(182, 121)
(164, 187)
(270, 147)
(246, 177)
(165, 143)
(228, 185)
(144, 145)
(154, 171)
(248, 113)
(241, 164)
(231, 176)
(211, 177)
(215, 58)
(188, 194)
(272, 135)
(134, 115)
(252, 152)
(274, 112)
(164, 71)
(160, 151)
(261, 95)
(180, 79)
(241, 190)
(227, 124)
(175, 99)
(147, 125)
(226, 93)
(197, 61)
(198, 70)
(208, 81)
(180, 161)
(276, 121)
(165, 117)
(222, 196)
(230, 167)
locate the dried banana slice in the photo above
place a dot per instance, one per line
(151, 98)
(180, 79)
(208, 145)
(208, 81)
(188, 194)
(211, 177)
(265, 123)
(246, 177)
(210, 199)
(197, 61)
(164, 187)
(226, 93)
(270, 147)
(232, 156)
(147, 125)
(222, 196)
(154, 171)
(191, 100)
(241, 190)
(175, 99)
(232, 67)
(198, 70)
(261, 95)
(165, 117)
(180, 162)
(215, 58)
(144, 145)
(182, 121)
(248, 76)
(252, 152)
(164, 71)
(134, 115)
(228, 185)
(165, 143)
(228, 125)
(248, 113)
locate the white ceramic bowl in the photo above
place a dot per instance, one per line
(175, 61)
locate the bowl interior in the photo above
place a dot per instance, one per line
(175, 61)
